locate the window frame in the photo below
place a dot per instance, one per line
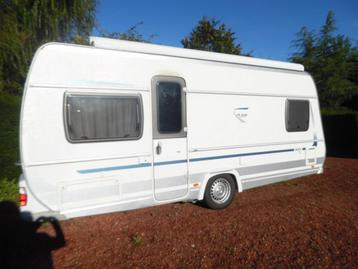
(155, 109)
(287, 111)
(108, 95)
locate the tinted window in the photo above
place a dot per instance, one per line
(91, 117)
(169, 107)
(297, 115)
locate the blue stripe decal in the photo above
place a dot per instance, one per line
(239, 155)
(113, 168)
(170, 162)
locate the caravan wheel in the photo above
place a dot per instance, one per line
(219, 191)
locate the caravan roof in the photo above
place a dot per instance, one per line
(140, 47)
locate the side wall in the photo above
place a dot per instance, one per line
(217, 139)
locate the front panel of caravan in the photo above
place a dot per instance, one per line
(80, 177)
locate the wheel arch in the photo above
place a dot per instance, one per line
(233, 173)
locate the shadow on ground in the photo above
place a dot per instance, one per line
(341, 135)
(21, 244)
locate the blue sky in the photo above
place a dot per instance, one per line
(264, 27)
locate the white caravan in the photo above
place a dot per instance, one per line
(120, 125)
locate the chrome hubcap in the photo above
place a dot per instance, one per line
(220, 190)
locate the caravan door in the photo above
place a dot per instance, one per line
(169, 138)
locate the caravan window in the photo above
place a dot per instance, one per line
(169, 107)
(101, 118)
(297, 115)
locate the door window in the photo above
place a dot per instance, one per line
(169, 107)
(168, 104)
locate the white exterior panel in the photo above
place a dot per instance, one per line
(235, 110)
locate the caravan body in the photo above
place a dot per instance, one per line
(121, 125)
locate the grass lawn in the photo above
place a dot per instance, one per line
(9, 146)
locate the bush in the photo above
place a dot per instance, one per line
(9, 190)
(9, 145)
(341, 132)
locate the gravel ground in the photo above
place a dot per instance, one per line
(310, 222)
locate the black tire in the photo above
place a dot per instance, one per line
(220, 191)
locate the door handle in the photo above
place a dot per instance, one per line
(158, 149)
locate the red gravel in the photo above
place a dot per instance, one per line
(303, 223)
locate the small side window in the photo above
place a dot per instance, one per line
(91, 118)
(297, 115)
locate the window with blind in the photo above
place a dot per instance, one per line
(103, 118)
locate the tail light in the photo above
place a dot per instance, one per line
(23, 197)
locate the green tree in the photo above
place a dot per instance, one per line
(212, 35)
(27, 24)
(132, 34)
(332, 60)
(12, 55)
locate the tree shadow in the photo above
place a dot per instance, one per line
(21, 245)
